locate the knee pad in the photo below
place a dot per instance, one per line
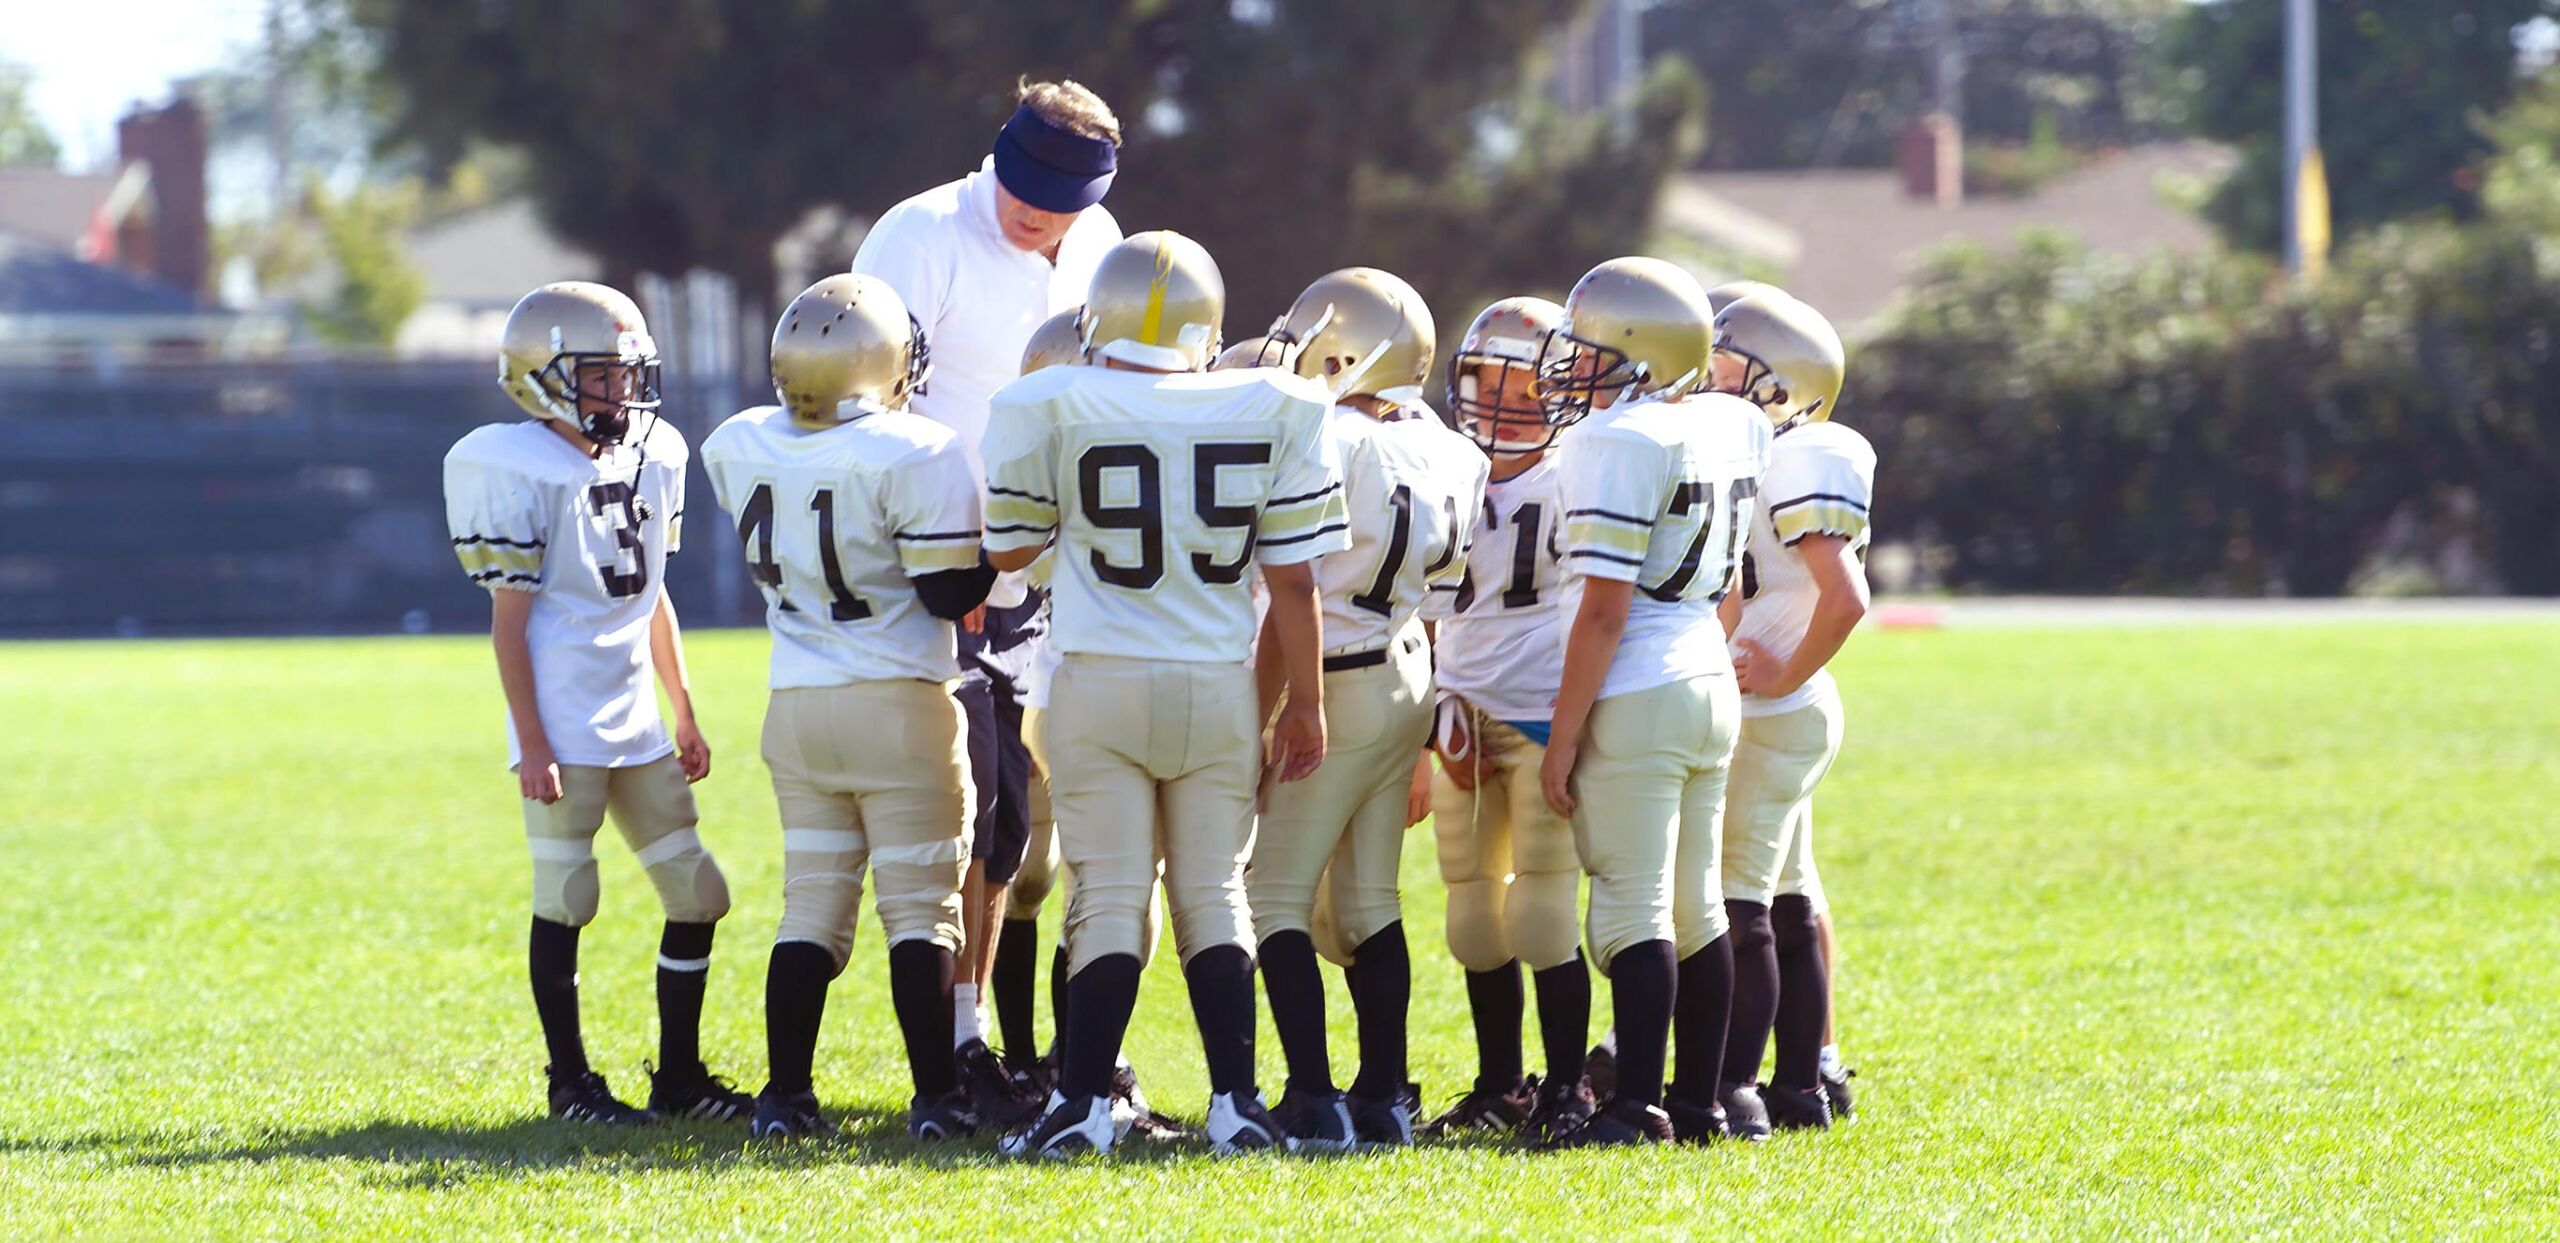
(689, 882)
(917, 888)
(1477, 934)
(1791, 921)
(564, 880)
(1038, 875)
(1538, 918)
(1325, 929)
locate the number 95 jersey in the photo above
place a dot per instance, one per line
(589, 537)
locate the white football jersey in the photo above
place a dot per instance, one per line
(590, 538)
(1659, 493)
(1822, 477)
(1413, 488)
(1163, 492)
(835, 522)
(1502, 626)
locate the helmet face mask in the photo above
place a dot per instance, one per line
(609, 392)
(1780, 355)
(1573, 372)
(579, 353)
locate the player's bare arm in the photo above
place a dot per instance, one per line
(539, 772)
(666, 653)
(1589, 647)
(1007, 560)
(1840, 602)
(1297, 739)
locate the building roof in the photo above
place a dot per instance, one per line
(489, 257)
(1846, 239)
(41, 279)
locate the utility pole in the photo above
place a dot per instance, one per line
(2306, 182)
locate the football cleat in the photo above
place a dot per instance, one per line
(583, 1097)
(996, 1098)
(1317, 1121)
(1238, 1123)
(1746, 1117)
(1836, 1087)
(697, 1093)
(1561, 1107)
(941, 1118)
(1039, 1074)
(1797, 1109)
(1070, 1128)
(1693, 1123)
(1600, 1068)
(1620, 1123)
(790, 1115)
(1385, 1122)
(1486, 1109)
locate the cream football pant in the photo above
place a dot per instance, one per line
(1768, 819)
(1044, 868)
(1507, 858)
(1649, 788)
(873, 776)
(1149, 760)
(1350, 813)
(652, 806)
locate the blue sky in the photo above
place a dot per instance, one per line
(94, 58)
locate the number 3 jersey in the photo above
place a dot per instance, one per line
(1412, 487)
(1163, 491)
(589, 537)
(1659, 493)
(1821, 478)
(1501, 628)
(836, 521)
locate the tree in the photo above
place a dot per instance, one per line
(2403, 88)
(24, 140)
(378, 288)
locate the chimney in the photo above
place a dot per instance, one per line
(170, 142)
(1930, 156)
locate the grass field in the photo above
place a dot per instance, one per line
(2161, 932)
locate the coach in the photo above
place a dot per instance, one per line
(980, 262)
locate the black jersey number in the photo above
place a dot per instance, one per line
(1687, 497)
(628, 572)
(1145, 514)
(755, 532)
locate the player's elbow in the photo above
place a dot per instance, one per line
(1008, 560)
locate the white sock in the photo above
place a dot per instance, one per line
(1831, 1064)
(965, 1026)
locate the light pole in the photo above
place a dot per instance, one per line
(2306, 183)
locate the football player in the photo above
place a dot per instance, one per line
(1413, 488)
(1657, 486)
(1163, 489)
(860, 524)
(568, 520)
(1804, 590)
(1508, 858)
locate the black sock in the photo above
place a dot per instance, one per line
(680, 994)
(1804, 993)
(1012, 983)
(1289, 972)
(920, 974)
(1058, 1000)
(795, 1000)
(1101, 997)
(1564, 1017)
(552, 957)
(1221, 979)
(1381, 994)
(1494, 1001)
(1643, 982)
(1705, 1010)
(1755, 992)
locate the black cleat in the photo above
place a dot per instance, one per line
(1600, 1068)
(1318, 1121)
(1843, 1107)
(1746, 1118)
(1071, 1127)
(944, 1117)
(1797, 1109)
(788, 1115)
(1385, 1122)
(1693, 1123)
(996, 1099)
(583, 1097)
(1486, 1109)
(1238, 1124)
(697, 1093)
(1038, 1075)
(1561, 1108)
(1620, 1123)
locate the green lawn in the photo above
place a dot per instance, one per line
(2153, 932)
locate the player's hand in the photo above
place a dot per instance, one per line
(692, 753)
(1297, 740)
(1461, 767)
(1555, 774)
(975, 620)
(538, 773)
(1758, 672)
(1417, 802)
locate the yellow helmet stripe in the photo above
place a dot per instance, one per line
(1151, 325)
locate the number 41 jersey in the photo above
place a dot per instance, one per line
(1163, 492)
(836, 523)
(589, 537)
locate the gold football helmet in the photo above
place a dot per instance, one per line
(1730, 292)
(1793, 365)
(1364, 333)
(1156, 301)
(1261, 351)
(572, 345)
(1058, 341)
(1634, 327)
(1493, 376)
(847, 338)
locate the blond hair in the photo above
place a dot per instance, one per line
(1071, 106)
